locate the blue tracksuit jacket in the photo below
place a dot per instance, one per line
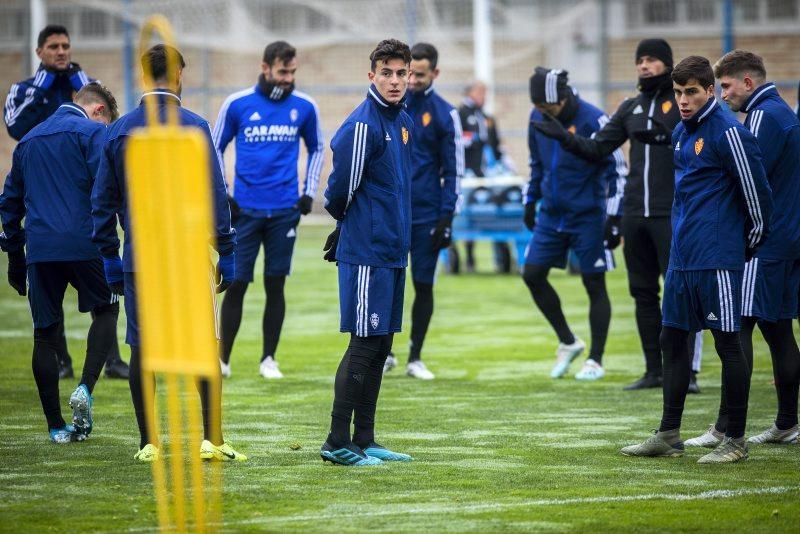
(573, 191)
(777, 130)
(722, 199)
(369, 189)
(109, 196)
(54, 167)
(438, 156)
(267, 134)
(28, 105)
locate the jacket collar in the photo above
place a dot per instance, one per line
(373, 93)
(161, 94)
(758, 95)
(72, 108)
(416, 97)
(701, 115)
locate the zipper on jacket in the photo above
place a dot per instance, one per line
(646, 172)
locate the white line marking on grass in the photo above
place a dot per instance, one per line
(452, 508)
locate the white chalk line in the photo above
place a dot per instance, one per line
(452, 508)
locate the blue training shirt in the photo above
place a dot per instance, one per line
(369, 189)
(572, 190)
(267, 134)
(438, 155)
(53, 170)
(777, 130)
(723, 202)
(109, 196)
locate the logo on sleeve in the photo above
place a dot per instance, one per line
(638, 109)
(666, 106)
(698, 146)
(426, 119)
(405, 135)
(374, 320)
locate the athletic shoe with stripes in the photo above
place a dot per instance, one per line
(565, 355)
(81, 403)
(729, 451)
(709, 439)
(775, 435)
(654, 446)
(390, 363)
(350, 455)
(222, 453)
(382, 453)
(65, 434)
(148, 453)
(590, 371)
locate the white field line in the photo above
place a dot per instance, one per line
(452, 508)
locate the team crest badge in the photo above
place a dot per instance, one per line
(373, 320)
(698, 146)
(405, 135)
(426, 118)
(572, 129)
(293, 115)
(666, 106)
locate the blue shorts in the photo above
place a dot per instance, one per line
(770, 288)
(699, 300)
(370, 299)
(549, 247)
(423, 257)
(47, 283)
(132, 337)
(277, 230)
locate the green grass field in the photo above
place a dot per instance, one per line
(498, 445)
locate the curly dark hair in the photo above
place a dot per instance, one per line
(390, 49)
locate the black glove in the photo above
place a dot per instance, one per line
(530, 215)
(612, 232)
(330, 246)
(442, 235)
(17, 272)
(235, 209)
(552, 127)
(304, 204)
(659, 134)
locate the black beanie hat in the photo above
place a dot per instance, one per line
(548, 86)
(657, 48)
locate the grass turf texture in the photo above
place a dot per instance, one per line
(497, 444)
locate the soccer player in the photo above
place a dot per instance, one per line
(29, 103)
(573, 211)
(109, 202)
(54, 166)
(720, 216)
(268, 121)
(438, 157)
(369, 195)
(647, 201)
(772, 277)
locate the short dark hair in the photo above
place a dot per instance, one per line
(51, 29)
(95, 93)
(279, 50)
(427, 51)
(693, 68)
(739, 62)
(389, 49)
(157, 56)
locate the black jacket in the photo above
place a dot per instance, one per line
(651, 179)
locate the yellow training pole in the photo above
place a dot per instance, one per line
(169, 190)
